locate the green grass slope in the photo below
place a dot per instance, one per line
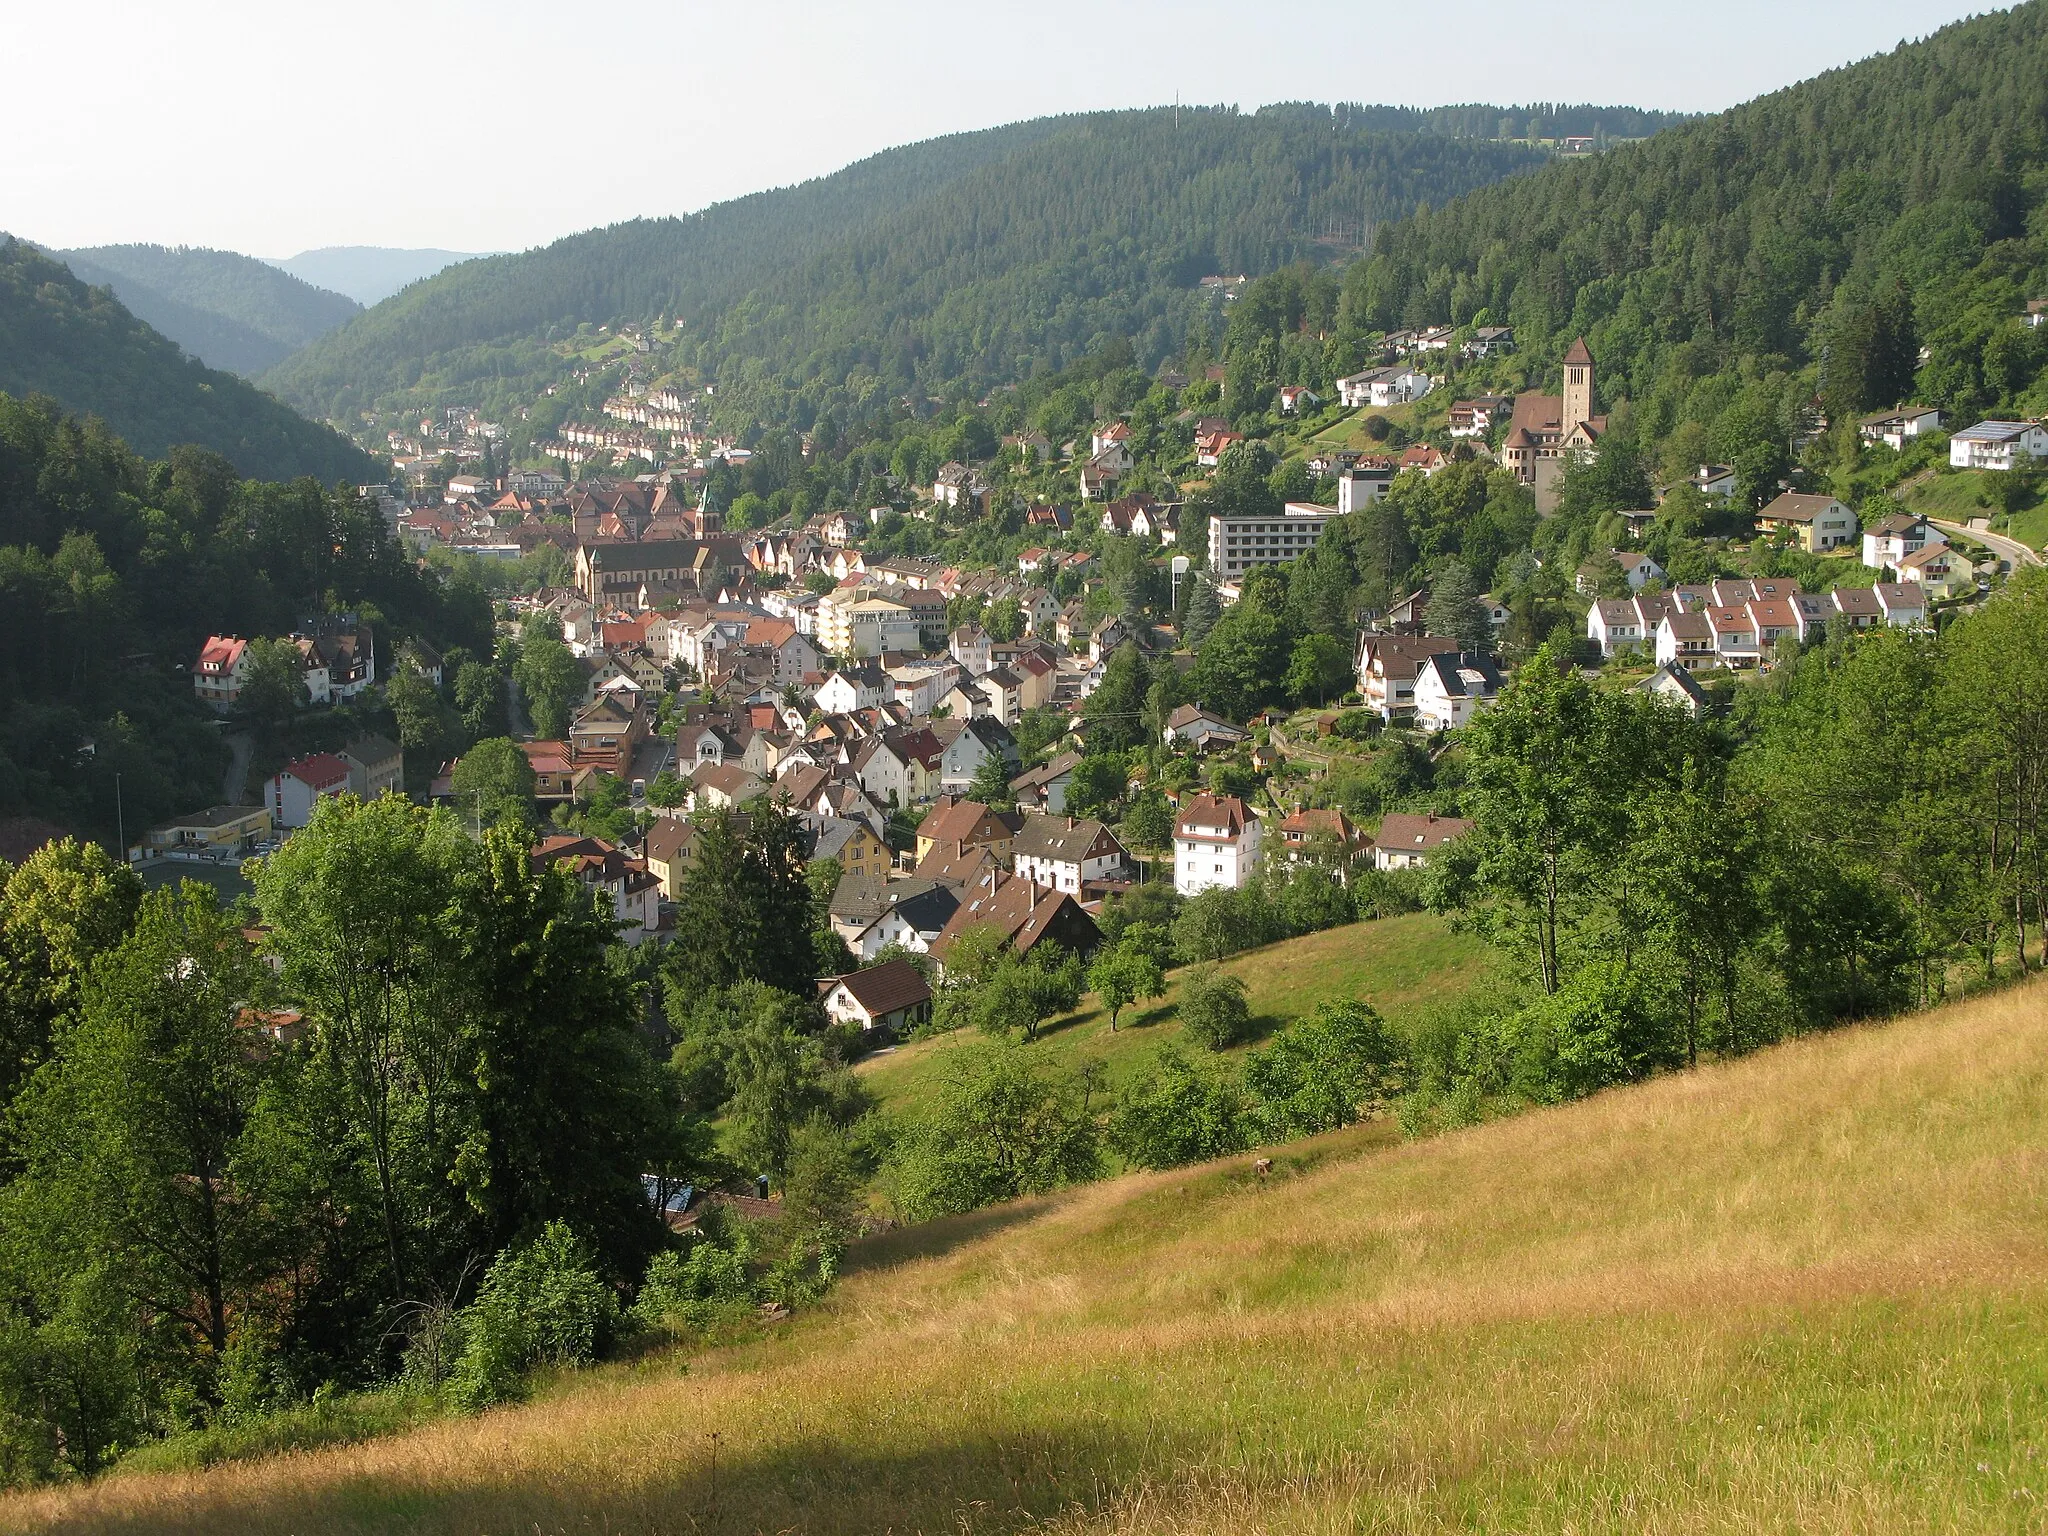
(229, 311)
(1401, 965)
(1800, 1292)
(966, 259)
(81, 347)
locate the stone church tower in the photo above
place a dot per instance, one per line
(1578, 386)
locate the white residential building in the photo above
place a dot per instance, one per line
(1997, 444)
(1236, 544)
(1450, 689)
(292, 793)
(1215, 842)
(1887, 543)
(1064, 854)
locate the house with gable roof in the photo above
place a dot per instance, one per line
(1067, 854)
(217, 674)
(1215, 843)
(292, 793)
(1816, 523)
(1406, 842)
(885, 1001)
(1452, 687)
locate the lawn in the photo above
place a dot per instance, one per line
(2030, 527)
(1801, 1292)
(1959, 497)
(1401, 966)
(1349, 433)
(224, 878)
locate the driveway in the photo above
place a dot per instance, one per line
(2012, 551)
(237, 777)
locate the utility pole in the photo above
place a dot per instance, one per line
(120, 819)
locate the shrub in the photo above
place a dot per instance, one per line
(1335, 1066)
(1212, 1008)
(1599, 1029)
(1218, 922)
(1181, 1112)
(1386, 892)
(697, 1290)
(541, 1304)
(1004, 1124)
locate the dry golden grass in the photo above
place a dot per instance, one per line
(1803, 1292)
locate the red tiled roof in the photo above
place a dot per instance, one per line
(318, 770)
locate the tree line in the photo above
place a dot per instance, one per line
(115, 569)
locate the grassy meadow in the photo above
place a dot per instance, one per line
(1801, 1292)
(1400, 965)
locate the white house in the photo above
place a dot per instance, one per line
(217, 674)
(1714, 480)
(1004, 690)
(1063, 854)
(1887, 543)
(634, 889)
(1897, 428)
(1215, 842)
(1382, 387)
(1195, 726)
(891, 997)
(1614, 624)
(963, 749)
(882, 772)
(1045, 787)
(1997, 444)
(1674, 685)
(1450, 689)
(918, 686)
(295, 789)
(1685, 640)
(1904, 603)
(849, 689)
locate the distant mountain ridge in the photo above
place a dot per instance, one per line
(228, 310)
(369, 274)
(963, 261)
(80, 346)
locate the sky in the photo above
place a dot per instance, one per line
(273, 128)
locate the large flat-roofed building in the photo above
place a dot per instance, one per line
(1236, 544)
(222, 830)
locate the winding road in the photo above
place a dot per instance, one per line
(2012, 551)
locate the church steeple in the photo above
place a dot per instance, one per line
(1578, 386)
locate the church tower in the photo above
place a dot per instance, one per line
(1578, 387)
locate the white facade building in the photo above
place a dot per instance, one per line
(1236, 544)
(1215, 843)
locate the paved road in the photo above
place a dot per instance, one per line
(652, 756)
(515, 712)
(2012, 551)
(237, 778)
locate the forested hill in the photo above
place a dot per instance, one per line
(81, 347)
(1889, 204)
(960, 260)
(228, 310)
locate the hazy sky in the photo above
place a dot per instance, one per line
(270, 128)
